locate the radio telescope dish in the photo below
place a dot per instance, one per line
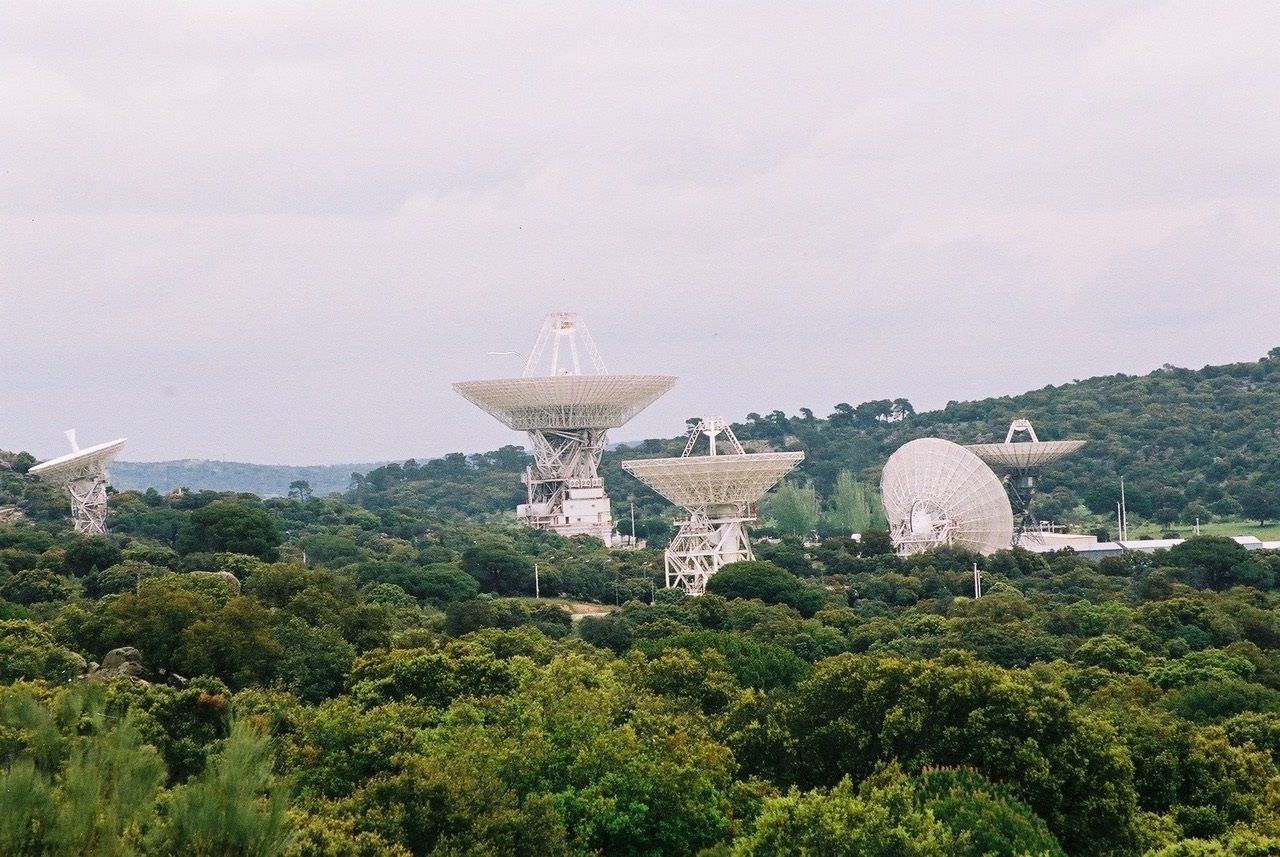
(566, 413)
(720, 491)
(938, 493)
(1022, 462)
(565, 402)
(82, 473)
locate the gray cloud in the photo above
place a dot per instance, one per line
(276, 234)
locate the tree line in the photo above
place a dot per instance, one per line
(310, 675)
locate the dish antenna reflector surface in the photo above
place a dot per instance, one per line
(1021, 463)
(938, 493)
(566, 413)
(720, 491)
(82, 473)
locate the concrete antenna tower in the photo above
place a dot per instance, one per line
(720, 491)
(566, 401)
(1021, 463)
(938, 493)
(82, 473)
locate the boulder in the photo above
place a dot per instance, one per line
(124, 661)
(121, 656)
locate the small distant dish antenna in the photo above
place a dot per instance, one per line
(566, 401)
(82, 473)
(937, 493)
(720, 491)
(1021, 463)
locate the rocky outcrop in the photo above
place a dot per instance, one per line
(124, 661)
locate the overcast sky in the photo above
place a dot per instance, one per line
(275, 232)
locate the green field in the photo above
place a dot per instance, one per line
(1271, 532)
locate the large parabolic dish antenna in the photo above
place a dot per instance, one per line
(82, 473)
(565, 402)
(566, 412)
(720, 491)
(1022, 462)
(938, 493)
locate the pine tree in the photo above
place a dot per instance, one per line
(236, 808)
(794, 509)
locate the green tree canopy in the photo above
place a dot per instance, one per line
(767, 582)
(228, 526)
(854, 713)
(499, 568)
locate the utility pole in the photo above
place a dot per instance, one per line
(537, 589)
(977, 581)
(633, 522)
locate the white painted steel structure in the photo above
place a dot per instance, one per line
(938, 493)
(1021, 463)
(720, 491)
(566, 414)
(82, 473)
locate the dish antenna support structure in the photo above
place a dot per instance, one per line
(566, 401)
(720, 491)
(82, 473)
(937, 493)
(1021, 463)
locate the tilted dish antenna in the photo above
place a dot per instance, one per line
(720, 491)
(938, 493)
(1021, 463)
(566, 414)
(82, 473)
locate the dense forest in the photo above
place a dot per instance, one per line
(371, 674)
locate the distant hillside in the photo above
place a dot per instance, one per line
(266, 480)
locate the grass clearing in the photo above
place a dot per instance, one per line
(1268, 533)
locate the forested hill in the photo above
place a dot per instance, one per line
(1190, 443)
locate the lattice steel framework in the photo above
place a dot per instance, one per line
(83, 476)
(1020, 464)
(938, 493)
(720, 491)
(566, 414)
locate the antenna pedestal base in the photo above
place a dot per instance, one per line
(566, 493)
(89, 505)
(702, 546)
(1026, 528)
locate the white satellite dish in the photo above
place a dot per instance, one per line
(82, 473)
(1022, 463)
(720, 491)
(938, 493)
(566, 414)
